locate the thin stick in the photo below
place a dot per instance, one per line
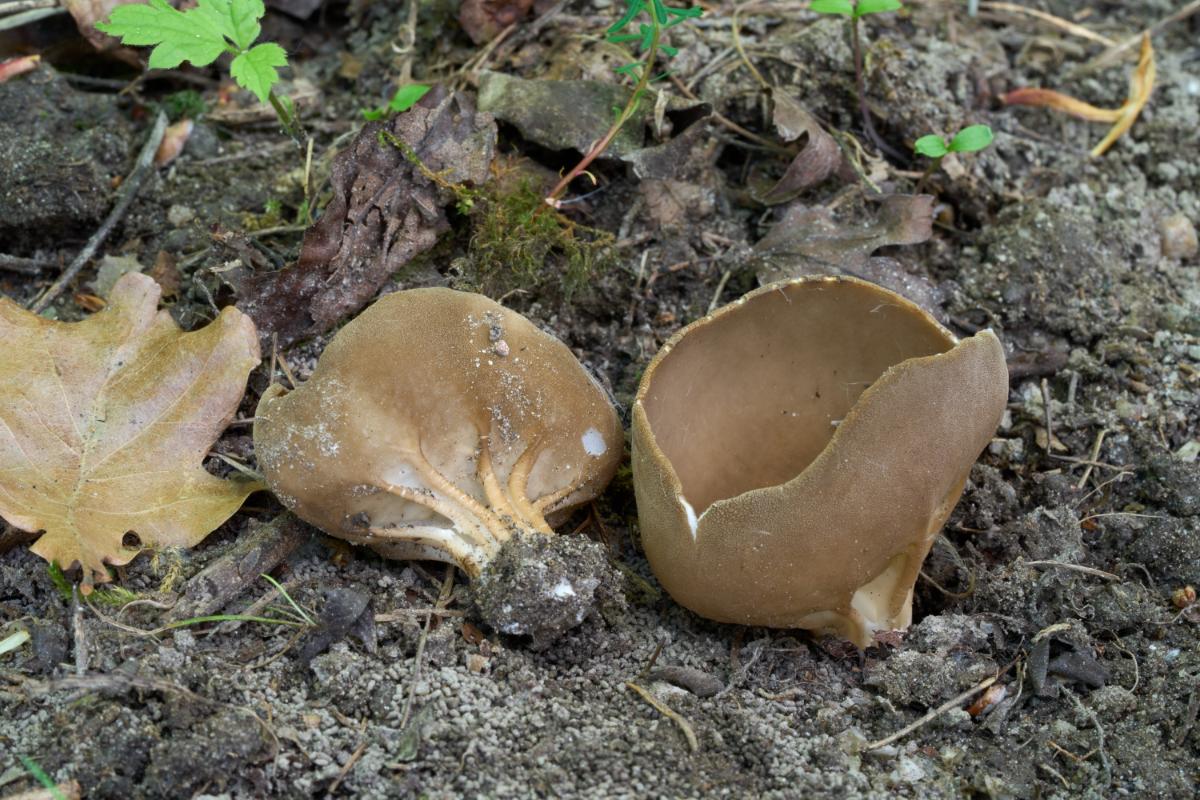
(1046, 403)
(1099, 573)
(1118, 49)
(1058, 22)
(406, 49)
(354, 757)
(23, 266)
(443, 599)
(737, 43)
(716, 298)
(128, 190)
(1087, 473)
(669, 713)
(1087, 712)
(24, 5)
(953, 702)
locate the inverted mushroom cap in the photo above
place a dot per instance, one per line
(436, 425)
(796, 452)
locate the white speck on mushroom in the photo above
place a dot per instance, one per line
(593, 442)
(691, 515)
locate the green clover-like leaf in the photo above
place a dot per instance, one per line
(971, 139)
(865, 7)
(842, 7)
(932, 145)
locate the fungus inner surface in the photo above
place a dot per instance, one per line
(749, 397)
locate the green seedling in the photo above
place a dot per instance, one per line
(202, 34)
(854, 12)
(405, 98)
(970, 139)
(648, 43)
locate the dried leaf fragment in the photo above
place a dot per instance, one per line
(106, 423)
(1141, 85)
(385, 210)
(808, 241)
(817, 160)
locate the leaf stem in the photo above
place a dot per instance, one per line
(860, 81)
(625, 115)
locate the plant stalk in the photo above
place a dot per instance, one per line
(860, 81)
(625, 115)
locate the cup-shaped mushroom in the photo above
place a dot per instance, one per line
(437, 425)
(796, 453)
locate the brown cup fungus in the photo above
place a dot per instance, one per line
(440, 425)
(796, 453)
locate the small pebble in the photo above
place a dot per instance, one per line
(1178, 237)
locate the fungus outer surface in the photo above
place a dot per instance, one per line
(438, 425)
(796, 453)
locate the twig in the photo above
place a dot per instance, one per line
(774, 147)
(1087, 473)
(1046, 403)
(1099, 573)
(129, 189)
(716, 298)
(1055, 773)
(26, 17)
(406, 52)
(737, 43)
(1122, 514)
(937, 712)
(1058, 22)
(1118, 49)
(1087, 712)
(443, 599)
(401, 614)
(358, 751)
(669, 713)
(23, 266)
(14, 6)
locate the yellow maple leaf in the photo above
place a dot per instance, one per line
(105, 424)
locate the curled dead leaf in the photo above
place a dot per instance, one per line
(1141, 86)
(819, 157)
(106, 423)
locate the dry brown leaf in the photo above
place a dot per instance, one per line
(385, 210)
(1141, 86)
(106, 422)
(808, 241)
(819, 157)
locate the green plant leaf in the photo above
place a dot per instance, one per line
(407, 96)
(176, 36)
(633, 8)
(932, 145)
(971, 139)
(843, 7)
(244, 14)
(865, 7)
(404, 99)
(255, 68)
